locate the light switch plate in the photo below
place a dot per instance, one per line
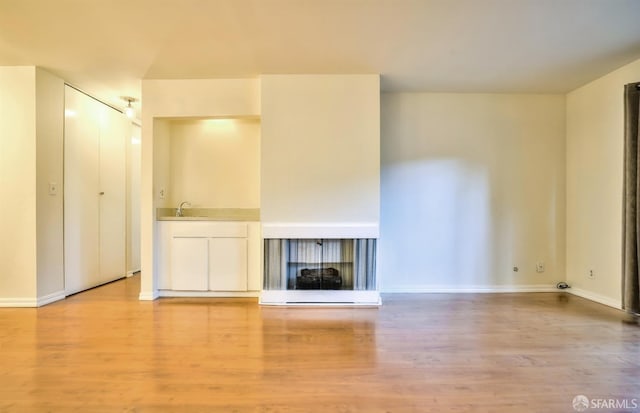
(53, 188)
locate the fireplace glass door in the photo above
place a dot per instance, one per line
(319, 264)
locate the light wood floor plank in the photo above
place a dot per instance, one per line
(105, 351)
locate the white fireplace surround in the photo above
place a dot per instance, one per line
(320, 298)
(320, 230)
(349, 230)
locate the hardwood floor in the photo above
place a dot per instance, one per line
(105, 351)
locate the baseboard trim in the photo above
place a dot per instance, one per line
(132, 273)
(535, 288)
(601, 299)
(50, 298)
(18, 302)
(26, 302)
(148, 295)
(208, 294)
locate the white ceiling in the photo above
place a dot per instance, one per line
(539, 46)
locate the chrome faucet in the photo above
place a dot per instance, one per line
(179, 210)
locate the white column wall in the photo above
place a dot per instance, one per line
(18, 260)
(49, 170)
(133, 201)
(320, 159)
(595, 145)
(31, 118)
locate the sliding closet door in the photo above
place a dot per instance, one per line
(114, 130)
(81, 195)
(94, 192)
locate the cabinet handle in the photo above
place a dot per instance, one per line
(101, 193)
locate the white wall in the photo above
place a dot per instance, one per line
(595, 143)
(215, 163)
(320, 149)
(49, 169)
(176, 99)
(31, 256)
(472, 185)
(133, 201)
(162, 163)
(18, 182)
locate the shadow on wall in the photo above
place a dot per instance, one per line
(471, 186)
(444, 224)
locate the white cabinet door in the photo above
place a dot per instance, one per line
(189, 264)
(228, 264)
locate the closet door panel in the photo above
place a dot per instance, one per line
(94, 192)
(81, 198)
(114, 129)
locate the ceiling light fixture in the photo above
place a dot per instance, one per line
(129, 110)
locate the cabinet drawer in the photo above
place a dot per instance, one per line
(202, 229)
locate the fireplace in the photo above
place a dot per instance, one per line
(319, 270)
(318, 279)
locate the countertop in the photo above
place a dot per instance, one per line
(209, 214)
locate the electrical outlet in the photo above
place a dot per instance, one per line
(539, 266)
(161, 193)
(515, 269)
(591, 274)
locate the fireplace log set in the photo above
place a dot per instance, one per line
(319, 279)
